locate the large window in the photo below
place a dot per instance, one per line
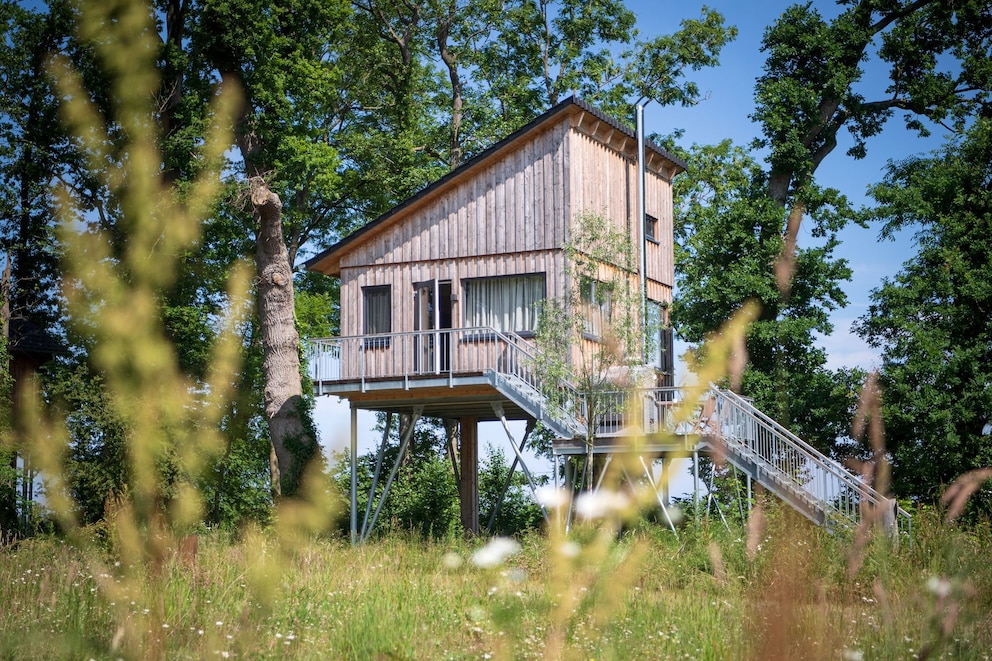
(378, 312)
(597, 301)
(506, 303)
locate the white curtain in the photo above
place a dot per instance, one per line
(506, 303)
(378, 310)
(597, 299)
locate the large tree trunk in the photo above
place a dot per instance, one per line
(293, 442)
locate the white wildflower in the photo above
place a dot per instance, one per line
(601, 503)
(495, 552)
(551, 498)
(940, 586)
(452, 560)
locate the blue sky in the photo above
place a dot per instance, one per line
(728, 92)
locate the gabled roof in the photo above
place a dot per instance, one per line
(545, 119)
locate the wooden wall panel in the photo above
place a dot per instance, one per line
(496, 211)
(510, 216)
(402, 278)
(608, 186)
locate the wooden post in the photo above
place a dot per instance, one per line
(468, 484)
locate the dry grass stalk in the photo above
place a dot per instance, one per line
(956, 496)
(756, 526)
(874, 472)
(716, 559)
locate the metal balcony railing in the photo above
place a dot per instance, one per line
(810, 481)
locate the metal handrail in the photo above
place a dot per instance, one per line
(793, 464)
(442, 353)
(805, 470)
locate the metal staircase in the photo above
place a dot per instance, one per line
(815, 485)
(723, 423)
(516, 379)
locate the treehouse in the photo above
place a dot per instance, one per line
(441, 297)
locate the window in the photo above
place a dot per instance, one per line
(597, 299)
(378, 313)
(653, 330)
(660, 339)
(507, 303)
(650, 227)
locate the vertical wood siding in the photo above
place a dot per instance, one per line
(511, 215)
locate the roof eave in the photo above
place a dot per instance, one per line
(328, 262)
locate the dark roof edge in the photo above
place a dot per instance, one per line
(481, 156)
(620, 126)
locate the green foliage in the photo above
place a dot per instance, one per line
(462, 75)
(35, 150)
(518, 512)
(8, 475)
(95, 465)
(727, 239)
(424, 498)
(931, 319)
(317, 309)
(937, 59)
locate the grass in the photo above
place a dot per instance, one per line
(588, 596)
(130, 590)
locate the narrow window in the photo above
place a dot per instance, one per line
(377, 313)
(654, 330)
(650, 227)
(660, 339)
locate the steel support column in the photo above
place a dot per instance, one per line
(498, 409)
(404, 444)
(695, 482)
(378, 471)
(354, 475)
(531, 424)
(661, 501)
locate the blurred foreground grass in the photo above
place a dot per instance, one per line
(583, 597)
(141, 587)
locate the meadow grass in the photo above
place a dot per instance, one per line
(584, 596)
(133, 588)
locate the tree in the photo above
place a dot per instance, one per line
(505, 62)
(8, 460)
(590, 338)
(931, 320)
(936, 53)
(727, 237)
(278, 64)
(811, 91)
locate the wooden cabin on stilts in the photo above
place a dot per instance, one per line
(440, 300)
